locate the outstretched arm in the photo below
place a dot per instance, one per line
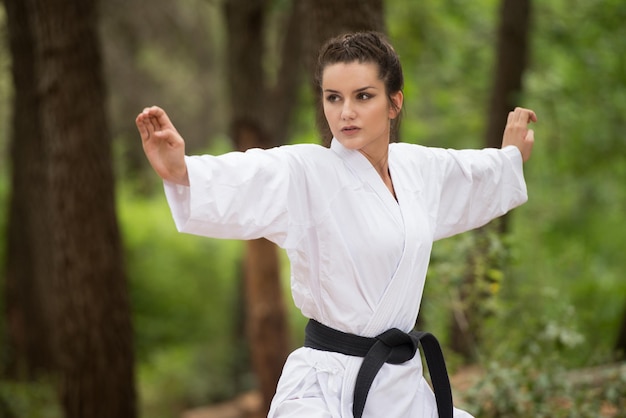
(163, 145)
(517, 132)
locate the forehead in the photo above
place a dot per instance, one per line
(352, 75)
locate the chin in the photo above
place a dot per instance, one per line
(350, 143)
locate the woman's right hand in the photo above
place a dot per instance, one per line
(163, 145)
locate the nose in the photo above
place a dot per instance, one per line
(347, 111)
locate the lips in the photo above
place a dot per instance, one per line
(349, 130)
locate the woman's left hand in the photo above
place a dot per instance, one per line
(517, 132)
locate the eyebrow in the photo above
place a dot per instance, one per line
(355, 91)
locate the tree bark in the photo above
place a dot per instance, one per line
(267, 325)
(511, 62)
(28, 261)
(85, 285)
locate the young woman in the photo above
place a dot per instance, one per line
(357, 220)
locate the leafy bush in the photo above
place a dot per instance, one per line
(532, 388)
(184, 293)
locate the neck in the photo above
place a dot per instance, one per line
(381, 165)
(379, 162)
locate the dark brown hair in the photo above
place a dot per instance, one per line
(363, 47)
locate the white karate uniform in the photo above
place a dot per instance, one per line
(358, 256)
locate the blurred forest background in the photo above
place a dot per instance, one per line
(104, 302)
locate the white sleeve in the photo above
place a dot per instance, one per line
(238, 195)
(476, 187)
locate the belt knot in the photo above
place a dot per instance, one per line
(392, 346)
(403, 346)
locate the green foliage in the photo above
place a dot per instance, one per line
(533, 344)
(537, 386)
(447, 49)
(562, 290)
(168, 270)
(184, 292)
(577, 264)
(178, 377)
(450, 269)
(579, 82)
(32, 400)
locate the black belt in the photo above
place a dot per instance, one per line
(392, 346)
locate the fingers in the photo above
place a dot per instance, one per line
(145, 127)
(151, 121)
(152, 124)
(141, 127)
(517, 132)
(159, 119)
(522, 115)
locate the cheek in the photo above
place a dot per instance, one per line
(325, 110)
(328, 113)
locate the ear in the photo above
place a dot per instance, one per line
(397, 98)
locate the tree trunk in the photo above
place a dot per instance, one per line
(259, 112)
(511, 62)
(27, 238)
(267, 325)
(86, 284)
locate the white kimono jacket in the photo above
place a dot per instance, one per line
(358, 256)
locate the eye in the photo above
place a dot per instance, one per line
(364, 96)
(332, 98)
